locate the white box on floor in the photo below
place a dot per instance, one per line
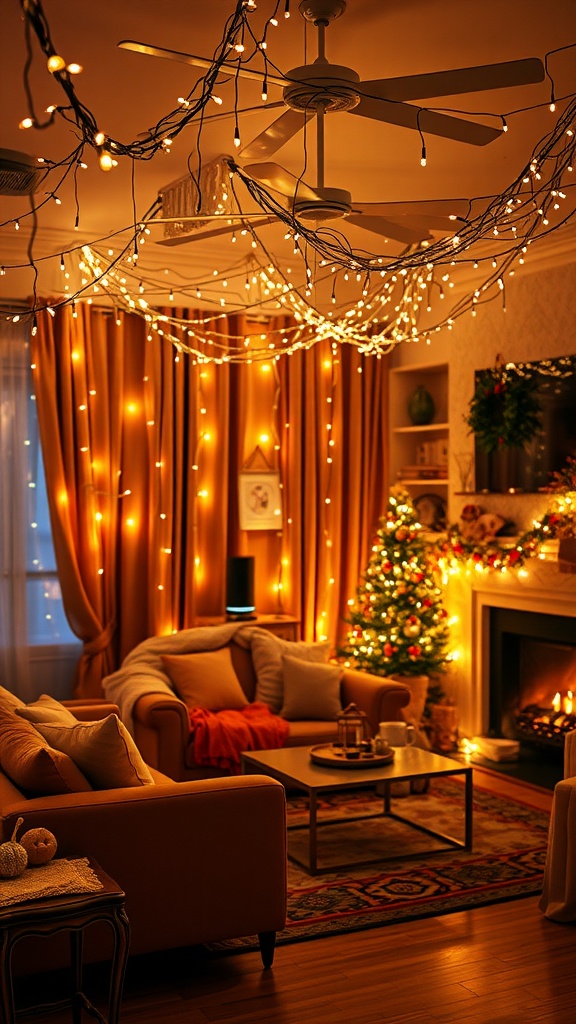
(496, 749)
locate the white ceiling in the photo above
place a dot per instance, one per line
(128, 93)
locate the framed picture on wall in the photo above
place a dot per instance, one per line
(259, 501)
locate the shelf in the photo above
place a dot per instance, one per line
(428, 427)
(441, 481)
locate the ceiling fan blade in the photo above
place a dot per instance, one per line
(276, 134)
(196, 234)
(445, 208)
(390, 229)
(280, 180)
(460, 80)
(427, 121)
(200, 62)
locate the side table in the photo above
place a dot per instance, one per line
(73, 913)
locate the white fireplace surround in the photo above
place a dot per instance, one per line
(544, 590)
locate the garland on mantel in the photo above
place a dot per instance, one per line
(556, 523)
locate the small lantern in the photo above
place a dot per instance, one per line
(353, 730)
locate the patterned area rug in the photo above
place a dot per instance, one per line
(506, 861)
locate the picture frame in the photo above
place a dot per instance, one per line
(431, 511)
(259, 500)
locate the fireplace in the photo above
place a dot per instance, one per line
(532, 676)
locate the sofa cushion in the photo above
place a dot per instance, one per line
(267, 651)
(104, 750)
(206, 680)
(31, 763)
(311, 691)
(46, 709)
(9, 698)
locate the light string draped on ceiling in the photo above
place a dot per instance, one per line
(394, 290)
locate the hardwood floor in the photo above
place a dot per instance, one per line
(504, 964)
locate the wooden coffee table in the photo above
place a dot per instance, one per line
(294, 768)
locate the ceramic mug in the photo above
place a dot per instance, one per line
(397, 734)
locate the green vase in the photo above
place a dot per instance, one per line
(421, 407)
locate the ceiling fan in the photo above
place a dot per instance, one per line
(320, 88)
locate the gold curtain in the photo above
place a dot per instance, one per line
(143, 446)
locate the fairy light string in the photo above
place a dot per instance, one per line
(495, 237)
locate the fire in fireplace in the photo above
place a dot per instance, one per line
(532, 676)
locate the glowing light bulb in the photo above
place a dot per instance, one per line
(55, 63)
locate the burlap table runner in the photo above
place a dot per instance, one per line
(59, 877)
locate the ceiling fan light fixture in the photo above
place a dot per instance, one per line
(332, 204)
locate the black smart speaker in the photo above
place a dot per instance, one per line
(240, 587)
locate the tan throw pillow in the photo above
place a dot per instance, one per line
(10, 699)
(32, 765)
(267, 651)
(46, 709)
(206, 680)
(311, 691)
(103, 750)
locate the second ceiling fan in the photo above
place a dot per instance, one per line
(321, 88)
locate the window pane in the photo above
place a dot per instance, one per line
(47, 623)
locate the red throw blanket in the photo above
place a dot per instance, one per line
(219, 737)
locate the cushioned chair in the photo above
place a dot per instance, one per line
(558, 900)
(199, 861)
(162, 680)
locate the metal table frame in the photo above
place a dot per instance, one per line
(293, 767)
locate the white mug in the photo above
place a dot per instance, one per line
(397, 734)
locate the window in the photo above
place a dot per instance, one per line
(31, 600)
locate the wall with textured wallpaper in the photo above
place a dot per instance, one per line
(539, 322)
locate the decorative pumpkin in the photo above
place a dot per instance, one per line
(13, 856)
(40, 845)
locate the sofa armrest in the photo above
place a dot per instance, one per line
(381, 699)
(199, 861)
(90, 709)
(162, 731)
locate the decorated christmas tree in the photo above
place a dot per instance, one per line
(398, 625)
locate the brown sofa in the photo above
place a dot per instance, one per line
(199, 861)
(159, 720)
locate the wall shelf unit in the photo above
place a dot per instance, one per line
(419, 454)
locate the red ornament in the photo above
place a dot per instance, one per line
(414, 651)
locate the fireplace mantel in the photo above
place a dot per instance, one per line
(541, 588)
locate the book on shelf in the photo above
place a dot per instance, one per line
(432, 453)
(428, 472)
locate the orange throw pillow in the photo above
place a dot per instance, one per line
(206, 680)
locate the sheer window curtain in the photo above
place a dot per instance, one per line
(14, 655)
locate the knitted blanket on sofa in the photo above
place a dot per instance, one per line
(142, 670)
(217, 738)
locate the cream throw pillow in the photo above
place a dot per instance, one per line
(267, 651)
(46, 709)
(311, 692)
(104, 751)
(206, 680)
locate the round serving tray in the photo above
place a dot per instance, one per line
(333, 757)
